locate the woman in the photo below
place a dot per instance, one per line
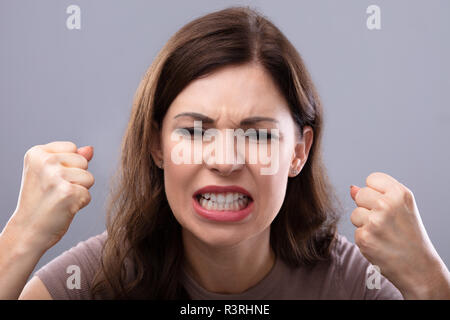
(214, 229)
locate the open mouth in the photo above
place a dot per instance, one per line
(225, 201)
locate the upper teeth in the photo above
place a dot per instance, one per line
(224, 197)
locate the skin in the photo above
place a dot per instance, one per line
(390, 234)
(232, 256)
(55, 185)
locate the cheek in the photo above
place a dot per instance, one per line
(272, 190)
(178, 186)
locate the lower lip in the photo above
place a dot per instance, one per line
(225, 215)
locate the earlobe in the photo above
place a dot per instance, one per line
(157, 160)
(296, 168)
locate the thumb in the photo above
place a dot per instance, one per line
(353, 191)
(87, 152)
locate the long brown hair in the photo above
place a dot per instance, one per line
(143, 254)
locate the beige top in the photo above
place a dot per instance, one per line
(343, 277)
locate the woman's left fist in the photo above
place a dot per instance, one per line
(391, 235)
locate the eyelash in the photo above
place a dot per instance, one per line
(191, 132)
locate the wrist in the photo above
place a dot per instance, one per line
(19, 243)
(17, 261)
(431, 284)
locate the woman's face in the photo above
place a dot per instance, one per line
(224, 217)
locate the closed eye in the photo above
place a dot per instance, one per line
(258, 135)
(193, 132)
(190, 132)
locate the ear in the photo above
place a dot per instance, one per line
(301, 151)
(156, 145)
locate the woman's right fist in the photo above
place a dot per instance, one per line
(54, 187)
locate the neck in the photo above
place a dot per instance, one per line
(228, 269)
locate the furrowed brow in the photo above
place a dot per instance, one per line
(253, 120)
(195, 116)
(206, 119)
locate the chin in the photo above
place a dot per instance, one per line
(222, 236)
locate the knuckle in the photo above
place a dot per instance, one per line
(91, 179)
(50, 178)
(66, 190)
(365, 241)
(372, 223)
(353, 216)
(69, 145)
(72, 145)
(54, 176)
(383, 219)
(73, 208)
(361, 238)
(354, 213)
(30, 153)
(398, 190)
(49, 159)
(407, 197)
(371, 177)
(382, 204)
(58, 173)
(376, 223)
(357, 211)
(85, 199)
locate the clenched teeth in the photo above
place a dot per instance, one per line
(223, 201)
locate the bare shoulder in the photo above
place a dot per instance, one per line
(35, 290)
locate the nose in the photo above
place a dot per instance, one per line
(225, 157)
(224, 169)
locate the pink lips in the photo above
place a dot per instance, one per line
(226, 215)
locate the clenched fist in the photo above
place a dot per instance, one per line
(391, 235)
(54, 187)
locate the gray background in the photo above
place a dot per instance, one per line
(385, 92)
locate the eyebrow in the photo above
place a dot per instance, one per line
(246, 121)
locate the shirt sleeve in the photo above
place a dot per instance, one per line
(69, 276)
(359, 280)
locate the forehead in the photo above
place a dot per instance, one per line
(234, 91)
